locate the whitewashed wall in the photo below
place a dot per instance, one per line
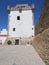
(2, 39)
(3, 36)
(23, 26)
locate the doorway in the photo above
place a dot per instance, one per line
(17, 42)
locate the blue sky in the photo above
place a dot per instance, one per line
(4, 12)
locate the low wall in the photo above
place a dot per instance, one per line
(22, 41)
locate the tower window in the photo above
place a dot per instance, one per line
(13, 29)
(32, 36)
(32, 28)
(18, 17)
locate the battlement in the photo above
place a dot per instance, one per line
(21, 7)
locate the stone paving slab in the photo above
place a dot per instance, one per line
(19, 55)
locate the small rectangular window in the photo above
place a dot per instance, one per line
(18, 17)
(32, 36)
(13, 29)
(32, 28)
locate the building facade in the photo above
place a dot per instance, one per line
(21, 21)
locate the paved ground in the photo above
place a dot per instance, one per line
(19, 55)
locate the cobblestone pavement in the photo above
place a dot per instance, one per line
(19, 55)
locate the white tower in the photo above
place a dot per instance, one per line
(21, 21)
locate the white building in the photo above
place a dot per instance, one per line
(20, 24)
(3, 36)
(21, 21)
